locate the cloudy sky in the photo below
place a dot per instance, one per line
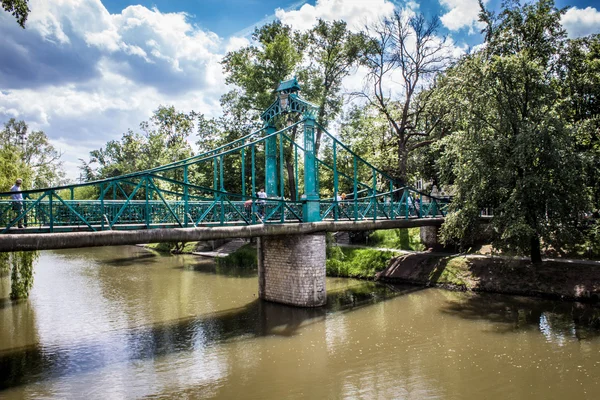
(85, 71)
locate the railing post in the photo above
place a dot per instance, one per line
(281, 183)
(147, 208)
(243, 173)
(335, 183)
(391, 200)
(374, 194)
(51, 212)
(253, 194)
(310, 206)
(186, 206)
(355, 168)
(271, 163)
(102, 207)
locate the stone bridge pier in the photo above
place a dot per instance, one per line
(291, 269)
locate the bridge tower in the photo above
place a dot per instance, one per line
(291, 268)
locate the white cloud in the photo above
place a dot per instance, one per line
(461, 14)
(581, 22)
(356, 13)
(85, 76)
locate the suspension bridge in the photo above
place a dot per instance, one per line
(306, 191)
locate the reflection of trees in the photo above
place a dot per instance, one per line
(256, 319)
(556, 320)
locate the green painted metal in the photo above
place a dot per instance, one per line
(281, 184)
(186, 197)
(153, 198)
(271, 163)
(243, 168)
(335, 182)
(310, 197)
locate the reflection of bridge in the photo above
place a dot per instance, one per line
(196, 195)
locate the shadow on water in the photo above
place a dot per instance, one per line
(256, 319)
(516, 313)
(136, 260)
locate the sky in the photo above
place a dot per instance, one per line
(86, 71)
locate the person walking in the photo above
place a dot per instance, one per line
(262, 203)
(17, 202)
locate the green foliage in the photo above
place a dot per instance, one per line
(28, 155)
(18, 8)
(512, 149)
(20, 266)
(162, 247)
(244, 257)
(357, 263)
(162, 140)
(404, 239)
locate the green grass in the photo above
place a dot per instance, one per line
(404, 239)
(244, 257)
(173, 248)
(357, 263)
(161, 247)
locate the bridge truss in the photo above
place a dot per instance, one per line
(301, 186)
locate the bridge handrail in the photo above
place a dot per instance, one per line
(150, 171)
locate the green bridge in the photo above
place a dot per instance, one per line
(303, 194)
(165, 197)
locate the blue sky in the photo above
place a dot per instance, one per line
(85, 71)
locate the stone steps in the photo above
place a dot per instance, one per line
(224, 250)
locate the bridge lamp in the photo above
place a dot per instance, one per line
(283, 101)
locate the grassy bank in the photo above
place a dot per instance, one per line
(173, 248)
(356, 263)
(403, 239)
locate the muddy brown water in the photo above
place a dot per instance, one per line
(121, 322)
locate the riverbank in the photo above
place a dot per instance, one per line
(558, 279)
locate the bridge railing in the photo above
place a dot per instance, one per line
(166, 197)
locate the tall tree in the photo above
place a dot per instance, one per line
(513, 150)
(38, 159)
(30, 156)
(162, 140)
(405, 48)
(333, 53)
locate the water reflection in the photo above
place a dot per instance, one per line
(100, 324)
(554, 319)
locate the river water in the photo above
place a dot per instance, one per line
(122, 322)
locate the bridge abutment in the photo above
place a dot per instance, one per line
(291, 269)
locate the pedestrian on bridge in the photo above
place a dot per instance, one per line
(262, 202)
(17, 202)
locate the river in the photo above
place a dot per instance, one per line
(122, 322)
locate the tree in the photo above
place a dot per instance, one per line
(162, 140)
(406, 48)
(333, 52)
(257, 69)
(35, 159)
(513, 150)
(18, 8)
(32, 158)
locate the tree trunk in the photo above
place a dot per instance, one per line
(402, 161)
(536, 252)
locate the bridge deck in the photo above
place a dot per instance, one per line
(46, 241)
